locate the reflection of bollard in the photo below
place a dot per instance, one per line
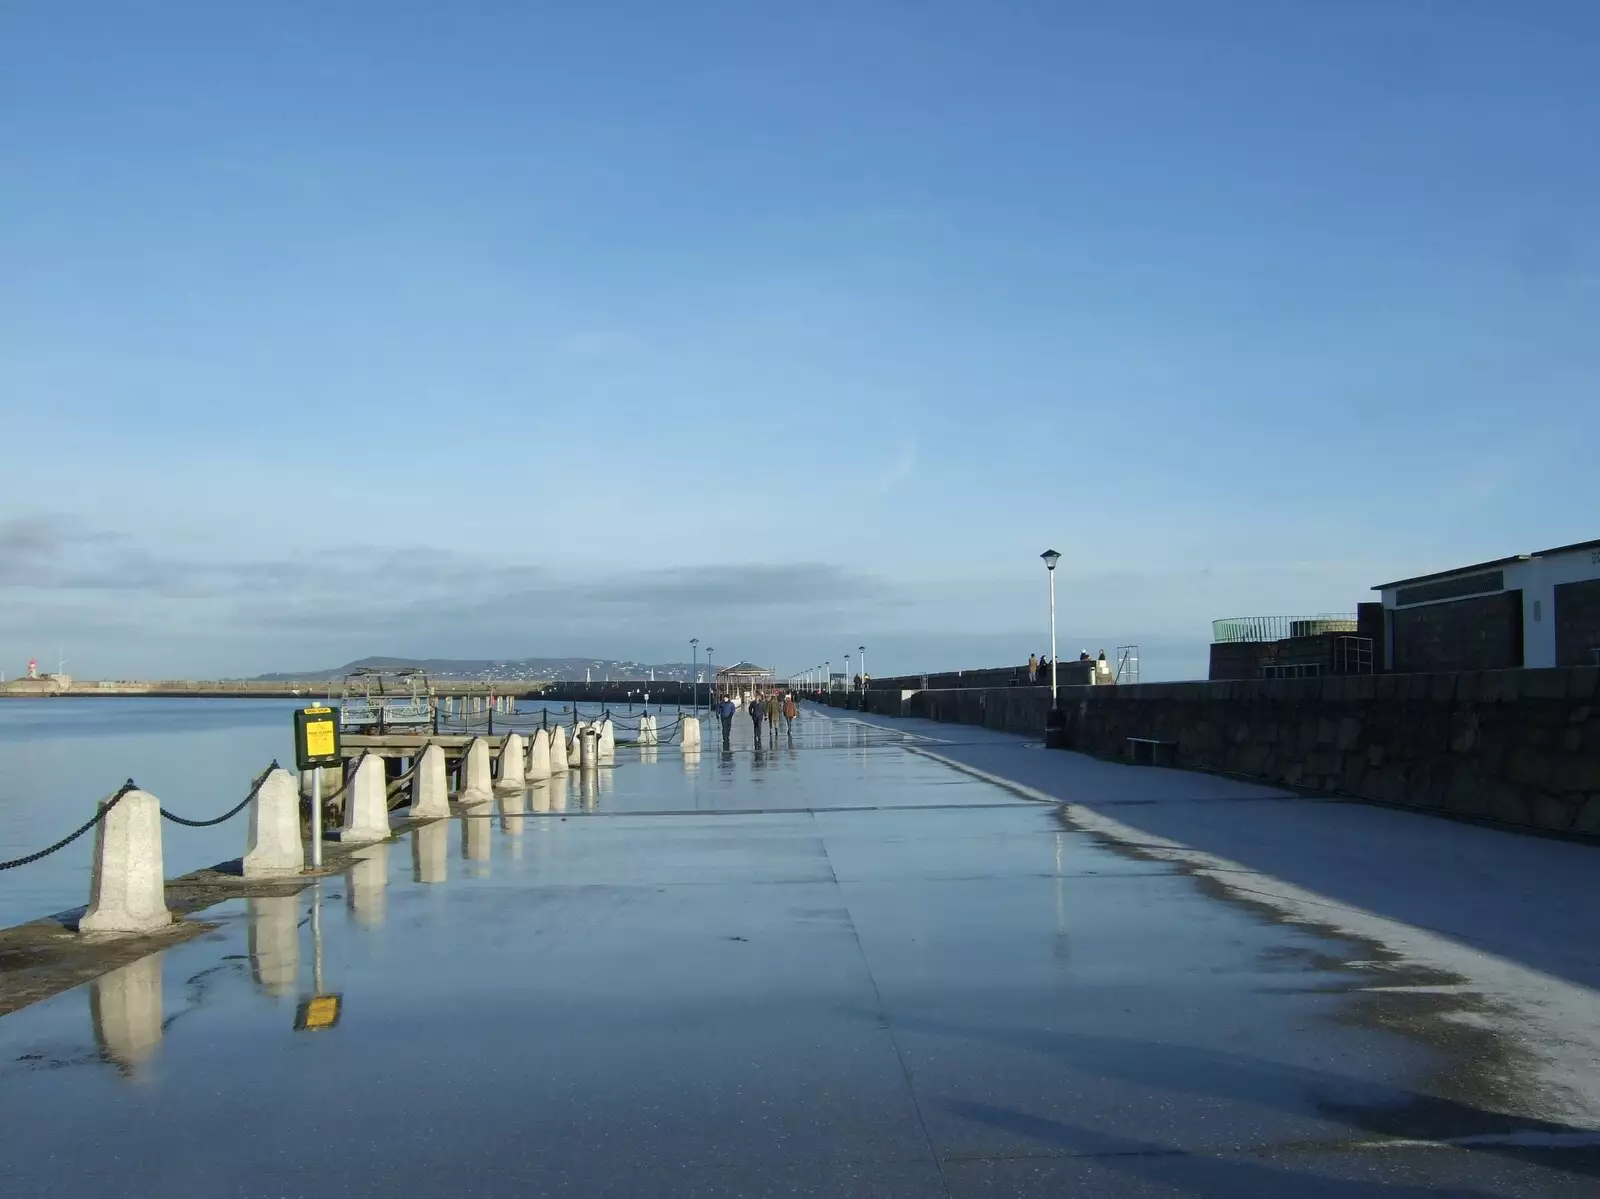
(691, 761)
(513, 761)
(476, 843)
(127, 889)
(430, 790)
(538, 756)
(649, 753)
(430, 853)
(691, 734)
(272, 844)
(512, 806)
(539, 796)
(477, 782)
(366, 811)
(272, 938)
(558, 750)
(369, 883)
(560, 785)
(125, 1009)
(588, 749)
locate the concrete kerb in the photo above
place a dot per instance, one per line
(127, 887)
(273, 845)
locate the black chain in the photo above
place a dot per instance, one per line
(100, 814)
(231, 812)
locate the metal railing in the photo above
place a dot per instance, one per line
(1280, 628)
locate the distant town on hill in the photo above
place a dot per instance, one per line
(517, 669)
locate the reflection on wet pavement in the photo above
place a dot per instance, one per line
(832, 969)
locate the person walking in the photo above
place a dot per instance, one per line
(725, 710)
(757, 711)
(790, 711)
(772, 717)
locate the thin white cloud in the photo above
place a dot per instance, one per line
(899, 469)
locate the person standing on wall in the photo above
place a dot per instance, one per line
(1033, 668)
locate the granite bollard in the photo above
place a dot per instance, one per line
(430, 790)
(366, 810)
(127, 889)
(273, 844)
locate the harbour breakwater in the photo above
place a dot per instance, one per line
(1518, 747)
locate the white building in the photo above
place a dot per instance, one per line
(1539, 609)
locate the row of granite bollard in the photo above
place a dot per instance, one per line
(128, 886)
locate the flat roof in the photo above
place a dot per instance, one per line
(1567, 549)
(1460, 570)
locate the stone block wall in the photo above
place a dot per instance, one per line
(1517, 746)
(1577, 618)
(1481, 633)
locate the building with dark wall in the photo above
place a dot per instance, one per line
(1289, 647)
(1539, 610)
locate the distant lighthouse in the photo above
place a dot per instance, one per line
(33, 668)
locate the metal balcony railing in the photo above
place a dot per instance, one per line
(1278, 628)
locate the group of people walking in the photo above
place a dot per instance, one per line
(770, 708)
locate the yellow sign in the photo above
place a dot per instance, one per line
(319, 738)
(317, 711)
(318, 1012)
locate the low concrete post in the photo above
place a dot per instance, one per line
(477, 781)
(430, 790)
(538, 756)
(127, 890)
(691, 734)
(273, 843)
(608, 741)
(589, 749)
(574, 753)
(558, 750)
(513, 761)
(366, 809)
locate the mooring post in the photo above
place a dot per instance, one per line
(127, 887)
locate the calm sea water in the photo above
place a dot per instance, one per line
(59, 757)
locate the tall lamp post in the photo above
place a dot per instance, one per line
(1050, 559)
(863, 651)
(711, 690)
(694, 672)
(827, 666)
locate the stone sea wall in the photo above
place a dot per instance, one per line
(1517, 746)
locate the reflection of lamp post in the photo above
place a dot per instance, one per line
(1050, 559)
(694, 671)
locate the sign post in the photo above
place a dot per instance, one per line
(316, 744)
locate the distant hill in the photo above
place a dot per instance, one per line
(532, 669)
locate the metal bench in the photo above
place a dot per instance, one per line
(1150, 751)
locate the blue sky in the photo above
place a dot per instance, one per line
(336, 329)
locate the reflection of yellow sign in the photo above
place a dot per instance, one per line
(320, 1011)
(319, 738)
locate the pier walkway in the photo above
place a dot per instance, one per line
(851, 966)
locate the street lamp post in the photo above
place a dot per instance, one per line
(711, 689)
(863, 650)
(694, 672)
(828, 667)
(1050, 559)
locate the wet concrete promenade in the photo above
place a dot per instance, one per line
(856, 965)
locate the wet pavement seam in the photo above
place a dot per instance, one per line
(883, 1017)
